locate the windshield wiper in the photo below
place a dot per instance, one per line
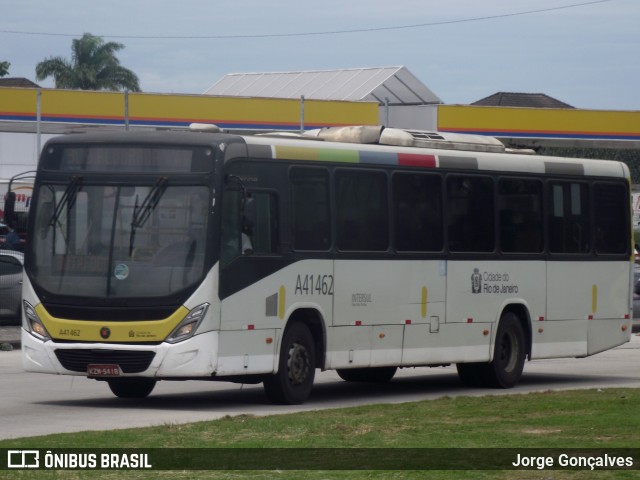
(68, 199)
(142, 213)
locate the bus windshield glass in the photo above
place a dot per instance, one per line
(119, 241)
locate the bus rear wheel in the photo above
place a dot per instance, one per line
(296, 368)
(372, 375)
(505, 370)
(131, 387)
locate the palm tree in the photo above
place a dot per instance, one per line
(94, 66)
(4, 68)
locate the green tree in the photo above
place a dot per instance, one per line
(93, 66)
(4, 69)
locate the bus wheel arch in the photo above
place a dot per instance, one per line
(301, 352)
(511, 346)
(509, 354)
(522, 312)
(315, 323)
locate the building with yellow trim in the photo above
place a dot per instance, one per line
(292, 101)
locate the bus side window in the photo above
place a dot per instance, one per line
(259, 224)
(470, 213)
(310, 209)
(569, 218)
(249, 225)
(520, 215)
(417, 204)
(362, 211)
(230, 245)
(611, 221)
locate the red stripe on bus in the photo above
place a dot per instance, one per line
(415, 160)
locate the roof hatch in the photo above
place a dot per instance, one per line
(409, 138)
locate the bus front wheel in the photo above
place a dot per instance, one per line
(296, 368)
(131, 387)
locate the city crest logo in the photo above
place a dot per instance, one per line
(476, 281)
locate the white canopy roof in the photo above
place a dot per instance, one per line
(396, 84)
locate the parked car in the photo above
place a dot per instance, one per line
(11, 268)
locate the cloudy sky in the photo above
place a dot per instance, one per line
(585, 53)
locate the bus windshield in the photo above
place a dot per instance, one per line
(119, 241)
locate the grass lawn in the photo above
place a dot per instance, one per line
(599, 419)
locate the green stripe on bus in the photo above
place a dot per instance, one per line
(329, 155)
(343, 156)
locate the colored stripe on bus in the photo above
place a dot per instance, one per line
(563, 168)
(342, 156)
(448, 161)
(287, 152)
(416, 160)
(284, 152)
(378, 158)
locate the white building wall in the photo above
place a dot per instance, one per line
(19, 152)
(416, 117)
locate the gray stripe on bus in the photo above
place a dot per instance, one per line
(446, 161)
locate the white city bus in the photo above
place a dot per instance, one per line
(193, 255)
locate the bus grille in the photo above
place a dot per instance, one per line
(129, 361)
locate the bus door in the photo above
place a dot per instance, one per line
(252, 288)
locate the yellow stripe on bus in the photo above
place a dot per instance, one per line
(425, 297)
(282, 302)
(114, 331)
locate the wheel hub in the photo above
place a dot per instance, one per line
(298, 364)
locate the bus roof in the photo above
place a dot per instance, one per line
(451, 151)
(371, 145)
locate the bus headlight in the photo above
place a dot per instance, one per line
(36, 328)
(189, 325)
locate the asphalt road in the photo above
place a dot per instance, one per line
(35, 404)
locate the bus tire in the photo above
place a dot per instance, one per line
(372, 375)
(505, 370)
(296, 368)
(131, 387)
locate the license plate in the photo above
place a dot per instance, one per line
(103, 370)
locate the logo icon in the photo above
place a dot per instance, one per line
(105, 332)
(23, 459)
(476, 281)
(121, 272)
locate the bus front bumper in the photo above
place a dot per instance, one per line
(194, 357)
